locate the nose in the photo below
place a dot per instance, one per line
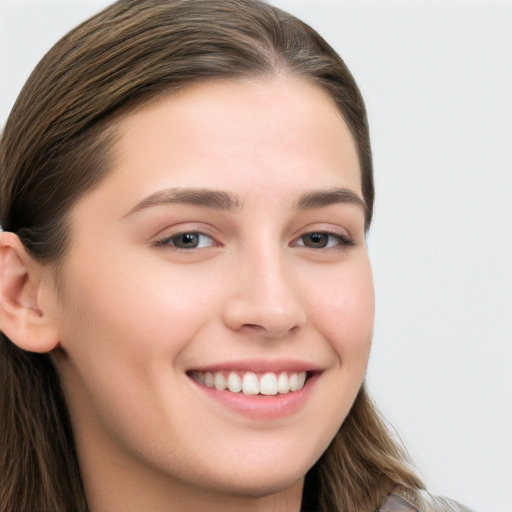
(264, 298)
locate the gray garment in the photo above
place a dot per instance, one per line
(395, 503)
(426, 503)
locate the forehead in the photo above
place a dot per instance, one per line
(221, 129)
(266, 140)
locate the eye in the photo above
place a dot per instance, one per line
(323, 240)
(186, 240)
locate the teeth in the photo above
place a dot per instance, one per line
(219, 381)
(268, 384)
(301, 380)
(208, 380)
(294, 382)
(249, 384)
(283, 384)
(234, 383)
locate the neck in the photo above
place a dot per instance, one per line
(113, 485)
(173, 498)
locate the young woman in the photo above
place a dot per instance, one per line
(186, 297)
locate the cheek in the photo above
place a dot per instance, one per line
(346, 312)
(124, 330)
(134, 309)
(343, 313)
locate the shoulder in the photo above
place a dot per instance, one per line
(423, 502)
(395, 503)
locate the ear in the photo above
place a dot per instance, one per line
(25, 312)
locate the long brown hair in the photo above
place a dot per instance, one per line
(55, 148)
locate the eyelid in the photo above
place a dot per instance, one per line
(162, 239)
(165, 236)
(344, 240)
(332, 227)
(164, 242)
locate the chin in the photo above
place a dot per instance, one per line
(260, 486)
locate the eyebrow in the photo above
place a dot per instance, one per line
(325, 197)
(228, 201)
(216, 199)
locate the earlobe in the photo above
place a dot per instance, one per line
(23, 316)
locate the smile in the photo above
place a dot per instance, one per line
(250, 383)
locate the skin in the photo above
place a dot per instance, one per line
(134, 314)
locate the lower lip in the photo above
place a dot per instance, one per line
(261, 407)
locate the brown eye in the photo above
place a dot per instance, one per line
(316, 240)
(322, 240)
(188, 240)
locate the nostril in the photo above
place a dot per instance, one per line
(269, 331)
(264, 314)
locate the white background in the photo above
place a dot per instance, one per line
(437, 79)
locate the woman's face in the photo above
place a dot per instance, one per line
(225, 248)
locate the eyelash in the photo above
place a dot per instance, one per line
(343, 241)
(168, 241)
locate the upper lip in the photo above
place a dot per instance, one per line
(260, 365)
